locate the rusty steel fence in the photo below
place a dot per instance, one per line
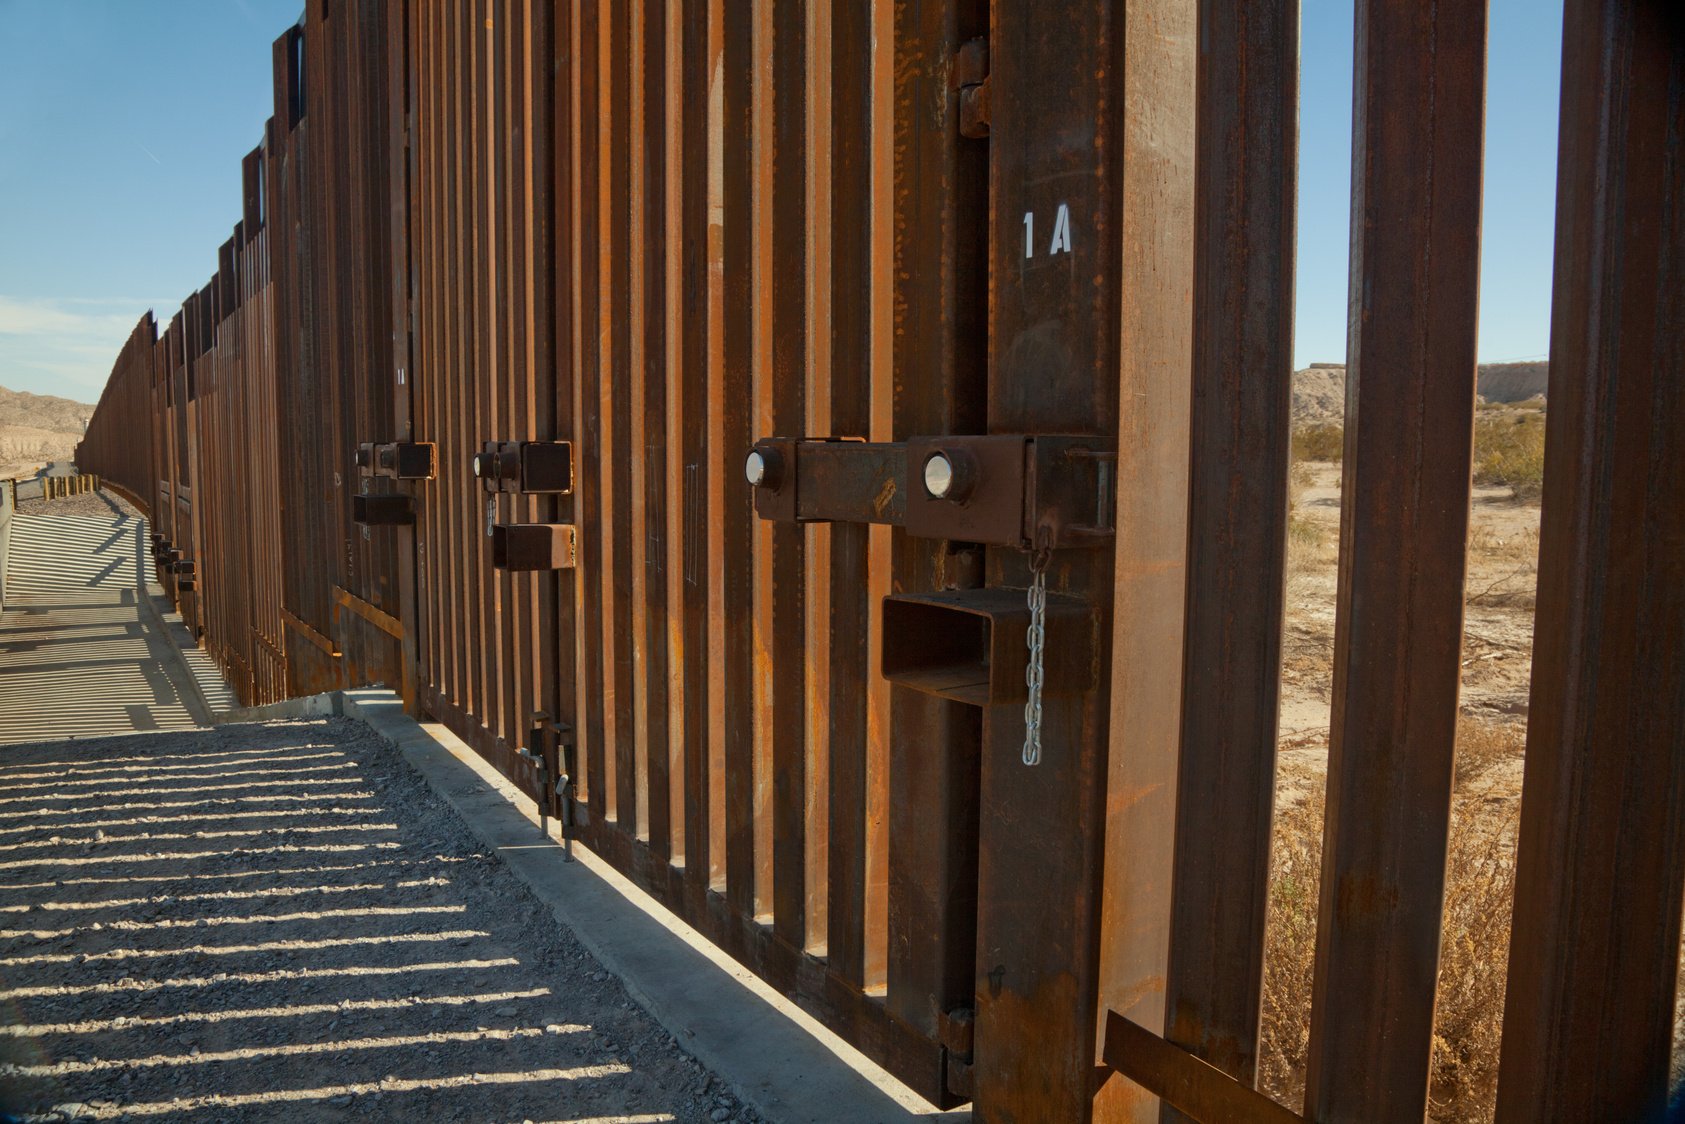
(118, 443)
(834, 456)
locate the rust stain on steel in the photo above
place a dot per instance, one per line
(1155, 263)
(1403, 531)
(1240, 427)
(386, 622)
(310, 634)
(1594, 948)
(1056, 201)
(119, 442)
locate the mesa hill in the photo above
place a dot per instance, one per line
(1319, 391)
(36, 428)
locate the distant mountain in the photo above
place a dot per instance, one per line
(35, 428)
(1319, 391)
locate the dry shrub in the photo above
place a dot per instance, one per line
(1299, 479)
(1510, 545)
(1473, 957)
(1509, 449)
(1289, 948)
(1516, 585)
(1482, 744)
(1479, 892)
(1676, 1071)
(1322, 441)
(1304, 537)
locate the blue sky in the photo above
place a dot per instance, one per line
(1524, 61)
(122, 125)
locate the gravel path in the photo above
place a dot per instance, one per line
(279, 921)
(101, 504)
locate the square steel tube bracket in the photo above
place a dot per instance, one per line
(391, 510)
(827, 480)
(531, 467)
(968, 645)
(1018, 490)
(407, 460)
(534, 546)
(1030, 491)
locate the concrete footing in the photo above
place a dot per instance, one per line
(781, 1061)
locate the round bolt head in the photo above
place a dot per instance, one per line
(938, 476)
(479, 458)
(754, 468)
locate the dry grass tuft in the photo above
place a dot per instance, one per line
(1473, 957)
(1304, 536)
(1517, 552)
(1482, 744)
(1289, 945)
(1512, 545)
(1479, 891)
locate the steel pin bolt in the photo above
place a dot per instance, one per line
(938, 476)
(754, 468)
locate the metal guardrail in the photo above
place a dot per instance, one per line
(62, 487)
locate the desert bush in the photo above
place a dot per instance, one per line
(1482, 744)
(1473, 958)
(1509, 449)
(1479, 892)
(1289, 948)
(1304, 537)
(1324, 441)
(1300, 531)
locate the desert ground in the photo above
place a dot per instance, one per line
(36, 429)
(1503, 550)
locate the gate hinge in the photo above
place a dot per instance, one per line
(971, 79)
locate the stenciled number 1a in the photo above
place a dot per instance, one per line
(1061, 241)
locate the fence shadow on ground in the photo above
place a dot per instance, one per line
(244, 931)
(75, 659)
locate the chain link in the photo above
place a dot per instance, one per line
(1035, 638)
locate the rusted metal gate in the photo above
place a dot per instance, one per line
(601, 192)
(994, 311)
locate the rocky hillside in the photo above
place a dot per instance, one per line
(1319, 391)
(35, 428)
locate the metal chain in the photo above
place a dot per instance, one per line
(1035, 638)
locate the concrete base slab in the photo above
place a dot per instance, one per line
(782, 1062)
(326, 705)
